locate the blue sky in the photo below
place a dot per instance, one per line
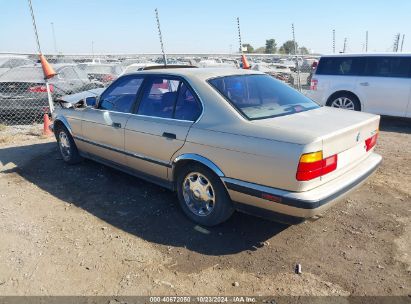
(128, 26)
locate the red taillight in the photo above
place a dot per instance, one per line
(314, 85)
(40, 89)
(107, 78)
(371, 142)
(312, 165)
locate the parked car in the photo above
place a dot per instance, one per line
(224, 140)
(8, 62)
(374, 83)
(104, 72)
(134, 67)
(23, 90)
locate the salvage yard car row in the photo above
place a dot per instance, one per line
(23, 98)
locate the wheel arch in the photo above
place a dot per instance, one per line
(340, 92)
(63, 121)
(184, 159)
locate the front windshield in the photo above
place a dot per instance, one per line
(261, 96)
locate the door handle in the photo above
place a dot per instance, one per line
(116, 125)
(169, 135)
(364, 84)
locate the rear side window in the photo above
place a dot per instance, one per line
(120, 96)
(399, 67)
(341, 66)
(187, 107)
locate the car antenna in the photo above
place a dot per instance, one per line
(161, 38)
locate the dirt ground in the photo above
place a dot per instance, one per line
(91, 230)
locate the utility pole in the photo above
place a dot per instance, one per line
(345, 45)
(54, 37)
(161, 38)
(239, 35)
(366, 41)
(333, 41)
(402, 42)
(296, 58)
(396, 42)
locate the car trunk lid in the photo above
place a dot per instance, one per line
(333, 131)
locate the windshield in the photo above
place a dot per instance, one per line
(261, 96)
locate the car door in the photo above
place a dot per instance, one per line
(103, 127)
(167, 109)
(385, 87)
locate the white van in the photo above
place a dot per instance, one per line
(374, 83)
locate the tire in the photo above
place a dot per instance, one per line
(204, 182)
(344, 101)
(67, 147)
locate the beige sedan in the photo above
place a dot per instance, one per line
(225, 140)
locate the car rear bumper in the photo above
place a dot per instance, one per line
(297, 206)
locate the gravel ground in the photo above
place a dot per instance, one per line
(91, 230)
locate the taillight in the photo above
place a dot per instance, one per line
(371, 142)
(40, 89)
(107, 78)
(313, 165)
(314, 85)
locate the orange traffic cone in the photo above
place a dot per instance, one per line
(47, 68)
(246, 66)
(46, 125)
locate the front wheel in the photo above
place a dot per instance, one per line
(67, 147)
(202, 196)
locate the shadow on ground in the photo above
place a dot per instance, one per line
(132, 205)
(395, 124)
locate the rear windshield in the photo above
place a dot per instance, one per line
(261, 96)
(22, 74)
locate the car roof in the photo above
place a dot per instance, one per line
(389, 54)
(200, 73)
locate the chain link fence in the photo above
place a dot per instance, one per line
(23, 93)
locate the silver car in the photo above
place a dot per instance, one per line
(224, 140)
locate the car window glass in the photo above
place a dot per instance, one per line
(82, 75)
(261, 96)
(388, 67)
(68, 73)
(159, 97)
(121, 95)
(344, 66)
(187, 107)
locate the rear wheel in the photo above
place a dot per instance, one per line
(67, 147)
(344, 101)
(202, 196)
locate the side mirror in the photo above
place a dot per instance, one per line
(91, 101)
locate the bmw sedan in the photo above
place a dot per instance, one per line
(224, 140)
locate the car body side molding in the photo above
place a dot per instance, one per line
(201, 159)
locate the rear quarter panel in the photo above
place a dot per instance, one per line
(255, 160)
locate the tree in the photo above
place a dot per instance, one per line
(260, 50)
(303, 51)
(288, 47)
(249, 47)
(270, 46)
